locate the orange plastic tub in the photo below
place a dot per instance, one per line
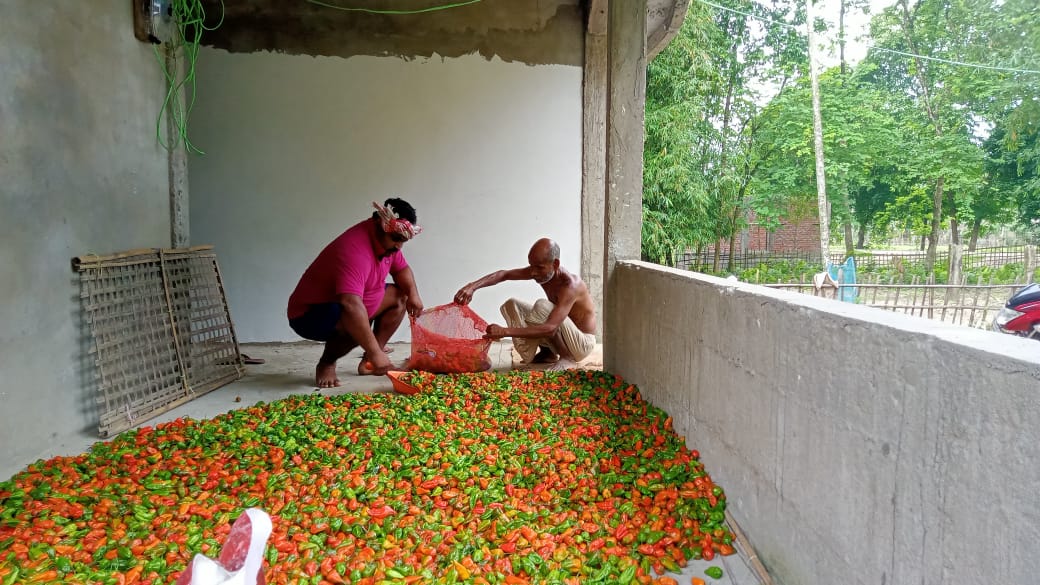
(400, 386)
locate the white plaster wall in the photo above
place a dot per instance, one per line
(80, 172)
(856, 446)
(298, 147)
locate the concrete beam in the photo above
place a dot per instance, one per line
(594, 168)
(177, 160)
(536, 33)
(597, 18)
(664, 19)
(626, 99)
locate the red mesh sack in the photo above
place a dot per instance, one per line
(449, 339)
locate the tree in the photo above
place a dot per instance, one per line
(822, 203)
(913, 137)
(861, 132)
(846, 199)
(956, 104)
(1013, 167)
(701, 108)
(674, 189)
(870, 200)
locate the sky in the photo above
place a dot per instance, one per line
(857, 29)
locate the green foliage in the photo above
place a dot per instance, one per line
(701, 107)
(781, 271)
(674, 194)
(1006, 274)
(1013, 165)
(896, 129)
(860, 134)
(906, 272)
(956, 105)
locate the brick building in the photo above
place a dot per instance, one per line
(793, 235)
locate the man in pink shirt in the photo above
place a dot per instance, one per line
(343, 298)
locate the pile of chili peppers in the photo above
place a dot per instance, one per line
(524, 477)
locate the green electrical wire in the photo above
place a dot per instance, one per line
(190, 17)
(374, 11)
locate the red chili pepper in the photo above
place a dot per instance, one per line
(380, 511)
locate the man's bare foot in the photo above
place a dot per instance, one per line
(325, 375)
(544, 356)
(562, 365)
(388, 350)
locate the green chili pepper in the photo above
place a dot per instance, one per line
(713, 572)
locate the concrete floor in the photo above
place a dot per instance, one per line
(289, 369)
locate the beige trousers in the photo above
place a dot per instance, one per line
(517, 313)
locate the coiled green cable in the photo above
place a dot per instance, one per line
(190, 18)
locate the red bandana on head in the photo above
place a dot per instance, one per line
(393, 224)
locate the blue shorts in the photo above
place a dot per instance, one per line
(319, 322)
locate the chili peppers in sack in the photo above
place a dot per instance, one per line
(449, 339)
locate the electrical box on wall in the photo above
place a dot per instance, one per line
(153, 21)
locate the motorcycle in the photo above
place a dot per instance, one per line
(1021, 315)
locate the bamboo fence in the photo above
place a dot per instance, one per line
(959, 304)
(897, 260)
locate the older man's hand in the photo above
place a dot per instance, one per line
(464, 296)
(495, 332)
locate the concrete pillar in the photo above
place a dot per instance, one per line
(626, 100)
(177, 156)
(594, 165)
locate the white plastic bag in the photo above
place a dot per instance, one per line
(241, 557)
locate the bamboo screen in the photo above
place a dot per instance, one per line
(160, 329)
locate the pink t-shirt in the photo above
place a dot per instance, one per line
(348, 265)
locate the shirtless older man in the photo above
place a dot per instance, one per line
(561, 328)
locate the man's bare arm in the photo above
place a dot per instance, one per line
(405, 280)
(465, 294)
(357, 325)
